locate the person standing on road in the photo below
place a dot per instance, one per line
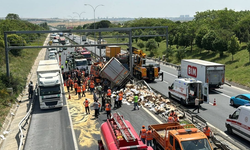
(120, 99)
(86, 103)
(143, 134)
(149, 137)
(103, 103)
(91, 86)
(68, 84)
(62, 67)
(109, 92)
(66, 63)
(136, 101)
(79, 89)
(31, 88)
(108, 110)
(197, 105)
(96, 107)
(75, 87)
(99, 88)
(207, 131)
(71, 83)
(83, 90)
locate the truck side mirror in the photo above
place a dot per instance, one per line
(230, 116)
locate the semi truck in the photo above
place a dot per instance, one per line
(173, 136)
(186, 90)
(213, 74)
(115, 72)
(49, 86)
(118, 134)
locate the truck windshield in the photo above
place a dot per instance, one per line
(87, 55)
(201, 144)
(81, 63)
(50, 90)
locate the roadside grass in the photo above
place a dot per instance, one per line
(20, 68)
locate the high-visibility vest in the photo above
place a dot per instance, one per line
(83, 88)
(75, 85)
(67, 83)
(170, 119)
(143, 133)
(99, 105)
(207, 132)
(86, 103)
(135, 99)
(78, 89)
(109, 92)
(107, 107)
(71, 82)
(120, 96)
(149, 135)
(92, 85)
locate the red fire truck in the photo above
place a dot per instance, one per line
(87, 55)
(118, 134)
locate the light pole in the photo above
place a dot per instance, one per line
(72, 20)
(79, 16)
(94, 8)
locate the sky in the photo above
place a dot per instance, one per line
(115, 8)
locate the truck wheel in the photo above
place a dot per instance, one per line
(169, 95)
(229, 129)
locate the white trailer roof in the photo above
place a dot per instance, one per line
(47, 68)
(203, 62)
(47, 62)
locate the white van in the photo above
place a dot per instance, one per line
(239, 122)
(186, 90)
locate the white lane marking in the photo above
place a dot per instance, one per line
(159, 121)
(222, 94)
(165, 82)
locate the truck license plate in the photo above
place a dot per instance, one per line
(52, 106)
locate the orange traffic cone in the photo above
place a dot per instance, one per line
(214, 104)
(69, 96)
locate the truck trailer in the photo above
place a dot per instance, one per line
(49, 86)
(118, 134)
(115, 72)
(173, 136)
(207, 72)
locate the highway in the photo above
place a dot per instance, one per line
(49, 129)
(214, 115)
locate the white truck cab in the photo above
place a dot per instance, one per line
(186, 90)
(81, 64)
(239, 122)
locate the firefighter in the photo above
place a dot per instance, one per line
(207, 131)
(75, 87)
(109, 92)
(31, 88)
(83, 90)
(143, 134)
(149, 137)
(79, 89)
(86, 103)
(68, 84)
(108, 110)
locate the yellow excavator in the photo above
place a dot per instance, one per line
(140, 69)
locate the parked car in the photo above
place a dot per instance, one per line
(60, 49)
(239, 100)
(52, 58)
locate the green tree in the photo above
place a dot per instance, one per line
(220, 45)
(140, 44)
(248, 49)
(168, 53)
(208, 39)
(201, 33)
(180, 54)
(12, 16)
(233, 46)
(151, 45)
(15, 40)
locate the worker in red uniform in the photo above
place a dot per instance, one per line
(149, 137)
(79, 89)
(109, 92)
(143, 134)
(108, 110)
(120, 99)
(83, 90)
(91, 86)
(207, 131)
(75, 87)
(86, 103)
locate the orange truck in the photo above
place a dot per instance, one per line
(173, 136)
(112, 51)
